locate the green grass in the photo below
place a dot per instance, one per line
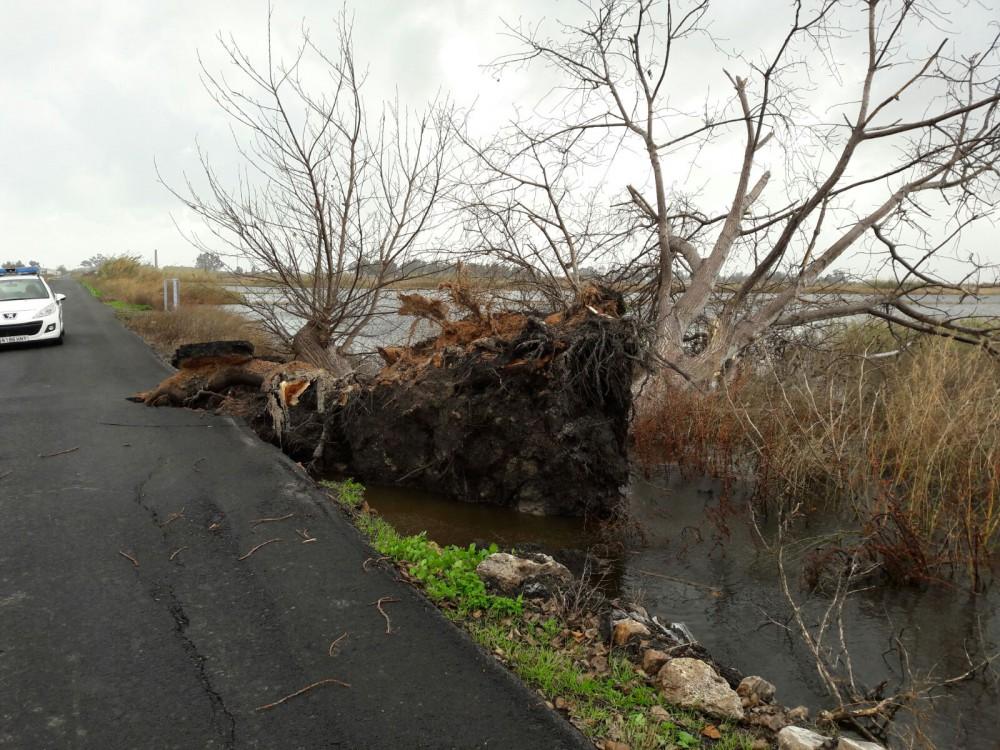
(115, 304)
(618, 704)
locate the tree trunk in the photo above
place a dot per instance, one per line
(312, 345)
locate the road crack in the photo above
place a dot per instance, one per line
(222, 718)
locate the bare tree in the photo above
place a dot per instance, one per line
(930, 119)
(331, 205)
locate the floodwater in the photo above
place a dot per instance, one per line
(701, 563)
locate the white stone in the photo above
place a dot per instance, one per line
(845, 743)
(507, 572)
(691, 683)
(797, 738)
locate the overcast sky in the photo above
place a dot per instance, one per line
(93, 91)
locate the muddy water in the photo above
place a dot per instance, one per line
(701, 564)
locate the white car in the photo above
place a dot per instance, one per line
(29, 309)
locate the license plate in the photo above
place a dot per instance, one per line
(14, 339)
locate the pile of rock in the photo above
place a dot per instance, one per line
(669, 653)
(797, 738)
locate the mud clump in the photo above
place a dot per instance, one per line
(510, 409)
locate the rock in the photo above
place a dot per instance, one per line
(507, 573)
(846, 743)
(771, 717)
(760, 744)
(755, 691)
(690, 683)
(626, 629)
(797, 738)
(653, 659)
(535, 590)
(659, 713)
(612, 745)
(799, 713)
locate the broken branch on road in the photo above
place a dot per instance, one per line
(59, 453)
(129, 557)
(262, 544)
(335, 642)
(306, 689)
(258, 521)
(378, 605)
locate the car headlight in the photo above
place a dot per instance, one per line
(46, 311)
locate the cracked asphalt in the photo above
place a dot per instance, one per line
(98, 652)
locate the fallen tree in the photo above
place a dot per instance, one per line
(510, 409)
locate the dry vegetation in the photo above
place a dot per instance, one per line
(165, 331)
(125, 279)
(136, 291)
(909, 444)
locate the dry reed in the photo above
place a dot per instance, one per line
(909, 444)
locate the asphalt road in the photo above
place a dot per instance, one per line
(96, 652)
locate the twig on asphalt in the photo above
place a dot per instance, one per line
(378, 605)
(129, 557)
(259, 521)
(177, 552)
(335, 642)
(374, 561)
(306, 689)
(59, 453)
(262, 544)
(172, 517)
(306, 536)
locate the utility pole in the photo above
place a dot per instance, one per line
(156, 258)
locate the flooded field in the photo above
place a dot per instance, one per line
(710, 571)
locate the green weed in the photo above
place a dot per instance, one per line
(617, 704)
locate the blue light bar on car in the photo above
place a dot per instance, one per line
(20, 270)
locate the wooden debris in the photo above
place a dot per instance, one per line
(259, 521)
(335, 642)
(262, 544)
(172, 517)
(176, 552)
(378, 605)
(129, 557)
(306, 689)
(59, 453)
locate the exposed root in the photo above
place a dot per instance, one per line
(378, 606)
(306, 689)
(262, 544)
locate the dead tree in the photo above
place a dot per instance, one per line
(930, 119)
(331, 205)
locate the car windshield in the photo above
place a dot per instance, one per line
(12, 290)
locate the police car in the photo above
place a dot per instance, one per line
(29, 309)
